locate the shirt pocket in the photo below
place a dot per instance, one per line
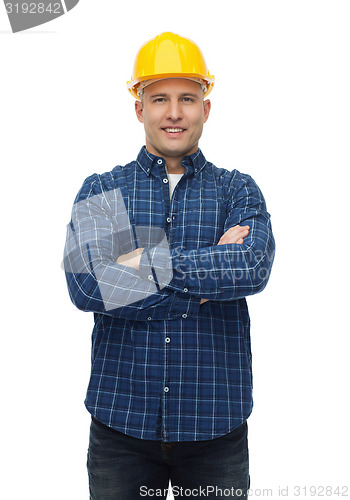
(203, 224)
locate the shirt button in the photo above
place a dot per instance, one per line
(150, 277)
(184, 315)
(166, 389)
(185, 290)
(167, 340)
(168, 219)
(165, 181)
(149, 318)
(174, 217)
(159, 162)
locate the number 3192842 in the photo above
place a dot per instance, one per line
(33, 8)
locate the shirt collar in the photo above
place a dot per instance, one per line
(193, 163)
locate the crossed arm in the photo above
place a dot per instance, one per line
(235, 234)
(139, 284)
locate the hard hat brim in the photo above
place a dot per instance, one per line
(133, 84)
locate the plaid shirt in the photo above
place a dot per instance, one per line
(164, 366)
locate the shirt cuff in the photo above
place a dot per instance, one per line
(156, 265)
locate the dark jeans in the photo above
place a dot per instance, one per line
(126, 468)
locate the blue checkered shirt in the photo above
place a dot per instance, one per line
(165, 366)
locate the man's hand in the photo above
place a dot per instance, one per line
(131, 259)
(235, 234)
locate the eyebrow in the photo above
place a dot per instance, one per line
(183, 94)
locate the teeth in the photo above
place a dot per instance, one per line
(172, 130)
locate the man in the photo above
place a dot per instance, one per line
(164, 251)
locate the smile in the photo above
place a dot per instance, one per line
(173, 130)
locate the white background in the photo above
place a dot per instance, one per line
(280, 112)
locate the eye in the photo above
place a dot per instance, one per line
(188, 99)
(159, 99)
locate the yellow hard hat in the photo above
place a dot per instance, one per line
(169, 56)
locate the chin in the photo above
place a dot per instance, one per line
(178, 150)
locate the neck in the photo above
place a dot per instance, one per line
(173, 165)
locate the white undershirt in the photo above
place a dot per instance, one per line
(173, 180)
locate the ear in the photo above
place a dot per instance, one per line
(207, 107)
(139, 111)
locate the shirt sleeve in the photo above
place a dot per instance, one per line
(100, 231)
(230, 271)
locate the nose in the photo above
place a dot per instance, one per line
(174, 111)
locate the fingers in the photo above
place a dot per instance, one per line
(235, 234)
(129, 259)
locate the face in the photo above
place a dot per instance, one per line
(173, 113)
